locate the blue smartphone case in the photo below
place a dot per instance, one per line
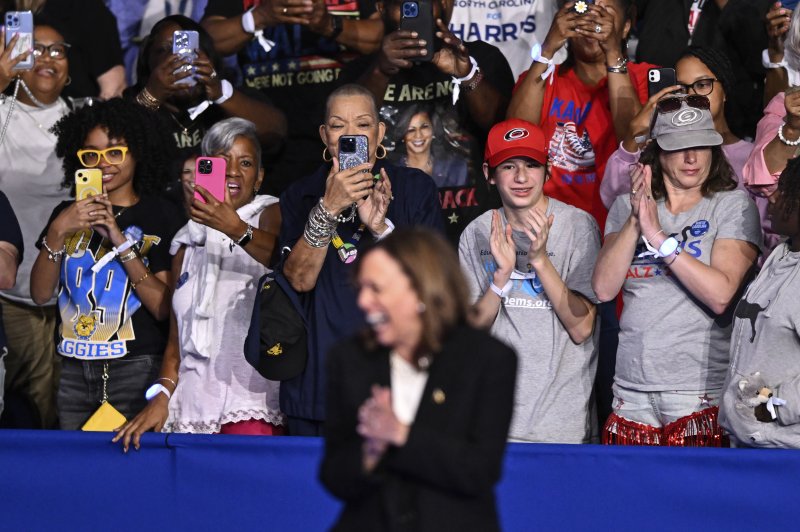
(185, 44)
(20, 23)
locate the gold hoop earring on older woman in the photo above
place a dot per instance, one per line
(380, 147)
(325, 152)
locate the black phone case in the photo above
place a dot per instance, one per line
(423, 24)
(667, 79)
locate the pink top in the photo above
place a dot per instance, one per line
(740, 155)
(756, 175)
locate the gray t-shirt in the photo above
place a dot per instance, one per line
(766, 340)
(669, 340)
(554, 401)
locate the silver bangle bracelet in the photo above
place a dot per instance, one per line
(53, 256)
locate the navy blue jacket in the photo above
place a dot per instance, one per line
(330, 309)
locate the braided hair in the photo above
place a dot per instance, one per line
(719, 65)
(789, 187)
(146, 141)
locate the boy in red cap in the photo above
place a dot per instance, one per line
(529, 266)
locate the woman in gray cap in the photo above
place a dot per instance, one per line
(679, 247)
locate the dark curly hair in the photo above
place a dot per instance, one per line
(147, 143)
(789, 187)
(720, 174)
(143, 66)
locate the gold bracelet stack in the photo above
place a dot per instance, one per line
(129, 256)
(145, 99)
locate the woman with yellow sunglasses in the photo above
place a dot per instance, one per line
(108, 257)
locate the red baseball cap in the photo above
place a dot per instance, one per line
(515, 138)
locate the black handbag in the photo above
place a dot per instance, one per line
(277, 341)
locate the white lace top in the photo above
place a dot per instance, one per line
(216, 385)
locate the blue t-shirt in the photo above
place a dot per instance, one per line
(9, 232)
(330, 309)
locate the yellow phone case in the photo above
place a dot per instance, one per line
(105, 419)
(88, 182)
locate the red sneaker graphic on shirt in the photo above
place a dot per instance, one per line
(570, 151)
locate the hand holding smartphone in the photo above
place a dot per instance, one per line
(185, 44)
(660, 78)
(88, 182)
(210, 174)
(417, 15)
(20, 23)
(353, 151)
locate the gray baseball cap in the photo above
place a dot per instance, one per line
(686, 127)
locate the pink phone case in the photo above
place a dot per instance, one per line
(210, 174)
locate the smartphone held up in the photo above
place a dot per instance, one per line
(20, 23)
(185, 44)
(210, 174)
(417, 15)
(88, 182)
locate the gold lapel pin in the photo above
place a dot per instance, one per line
(438, 396)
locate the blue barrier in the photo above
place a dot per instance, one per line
(80, 481)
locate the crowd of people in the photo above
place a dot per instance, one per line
(534, 246)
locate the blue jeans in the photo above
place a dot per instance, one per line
(80, 390)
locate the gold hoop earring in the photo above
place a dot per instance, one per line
(329, 157)
(380, 147)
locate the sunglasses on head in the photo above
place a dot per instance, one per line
(670, 104)
(673, 103)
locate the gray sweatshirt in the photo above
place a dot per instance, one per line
(765, 351)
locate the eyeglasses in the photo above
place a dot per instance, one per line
(57, 50)
(702, 87)
(112, 155)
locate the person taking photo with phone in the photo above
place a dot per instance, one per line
(706, 72)
(191, 94)
(31, 178)
(327, 218)
(465, 84)
(205, 384)
(108, 257)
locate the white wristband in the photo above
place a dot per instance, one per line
(536, 55)
(501, 292)
(248, 22)
(155, 390)
(457, 81)
(769, 64)
(227, 92)
(386, 232)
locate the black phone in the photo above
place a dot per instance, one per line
(660, 78)
(417, 15)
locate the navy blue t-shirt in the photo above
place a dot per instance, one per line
(9, 232)
(330, 308)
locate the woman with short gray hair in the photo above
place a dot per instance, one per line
(206, 385)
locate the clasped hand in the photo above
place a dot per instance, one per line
(644, 210)
(94, 212)
(536, 226)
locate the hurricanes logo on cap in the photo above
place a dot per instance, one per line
(687, 117)
(516, 134)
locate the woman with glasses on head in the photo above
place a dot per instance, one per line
(108, 256)
(679, 246)
(706, 72)
(30, 175)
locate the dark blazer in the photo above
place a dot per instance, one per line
(443, 477)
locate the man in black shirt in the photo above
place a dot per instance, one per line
(466, 87)
(293, 51)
